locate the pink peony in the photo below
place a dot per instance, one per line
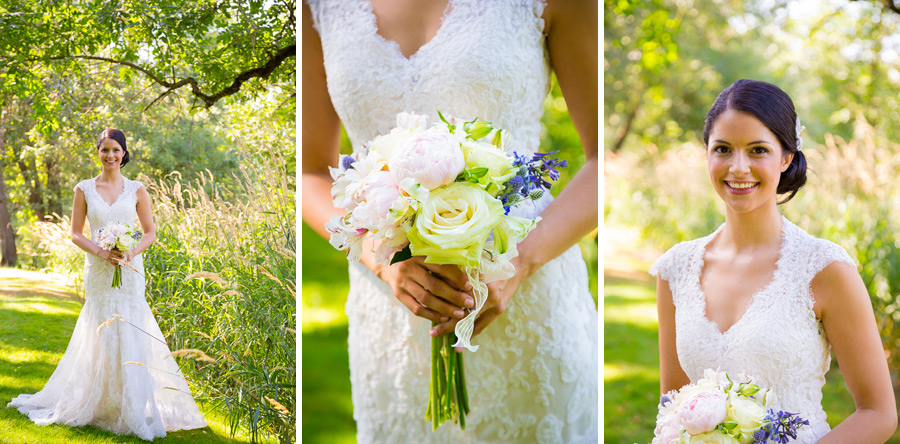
(667, 430)
(431, 159)
(379, 195)
(702, 411)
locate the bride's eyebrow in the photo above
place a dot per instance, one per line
(751, 143)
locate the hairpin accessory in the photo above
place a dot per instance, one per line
(800, 129)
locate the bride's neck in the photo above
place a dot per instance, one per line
(108, 176)
(752, 229)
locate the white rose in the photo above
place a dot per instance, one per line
(713, 437)
(748, 414)
(453, 224)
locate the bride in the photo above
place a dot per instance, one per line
(116, 373)
(535, 377)
(762, 297)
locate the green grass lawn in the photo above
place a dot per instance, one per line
(327, 412)
(37, 316)
(631, 367)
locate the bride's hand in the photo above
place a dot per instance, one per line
(499, 294)
(434, 292)
(111, 256)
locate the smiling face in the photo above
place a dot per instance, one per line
(110, 154)
(745, 161)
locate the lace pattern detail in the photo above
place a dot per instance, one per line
(487, 60)
(534, 379)
(778, 340)
(113, 375)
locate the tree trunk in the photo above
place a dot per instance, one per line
(7, 233)
(623, 130)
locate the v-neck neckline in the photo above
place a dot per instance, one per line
(117, 196)
(754, 296)
(370, 9)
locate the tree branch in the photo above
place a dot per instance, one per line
(209, 100)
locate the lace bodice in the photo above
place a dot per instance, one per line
(100, 213)
(487, 60)
(778, 340)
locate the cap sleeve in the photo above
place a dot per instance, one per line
(81, 186)
(665, 266)
(826, 253)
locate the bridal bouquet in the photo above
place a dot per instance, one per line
(720, 410)
(444, 192)
(120, 237)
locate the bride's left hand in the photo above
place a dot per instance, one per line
(499, 295)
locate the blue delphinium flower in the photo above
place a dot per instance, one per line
(347, 162)
(781, 427)
(665, 399)
(529, 182)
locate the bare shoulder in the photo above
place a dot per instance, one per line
(560, 13)
(142, 193)
(836, 287)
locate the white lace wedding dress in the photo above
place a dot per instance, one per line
(116, 373)
(778, 339)
(534, 379)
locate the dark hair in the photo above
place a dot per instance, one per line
(774, 108)
(119, 137)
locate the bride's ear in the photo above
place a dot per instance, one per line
(786, 161)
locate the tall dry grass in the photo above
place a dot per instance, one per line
(222, 280)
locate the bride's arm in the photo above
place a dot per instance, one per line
(671, 375)
(421, 292)
(146, 218)
(76, 232)
(843, 305)
(571, 28)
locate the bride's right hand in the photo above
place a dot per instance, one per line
(111, 256)
(434, 292)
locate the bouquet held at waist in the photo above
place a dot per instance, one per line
(442, 191)
(119, 237)
(723, 410)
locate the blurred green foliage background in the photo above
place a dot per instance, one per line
(665, 62)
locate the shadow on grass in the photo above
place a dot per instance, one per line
(327, 408)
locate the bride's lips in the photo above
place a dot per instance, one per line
(740, 187)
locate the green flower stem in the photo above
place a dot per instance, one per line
(434, 397)
(448, 377)
(461, 384)
(447, 397)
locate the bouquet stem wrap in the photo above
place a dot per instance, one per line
(466, 326)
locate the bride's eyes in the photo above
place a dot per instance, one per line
(759, 150)
(721, 149)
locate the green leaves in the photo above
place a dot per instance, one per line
(472, 174)
(214, 44)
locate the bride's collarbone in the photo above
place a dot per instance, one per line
(729, 283)
(109, 191)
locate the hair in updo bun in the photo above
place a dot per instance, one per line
(119, 137)
(774, 108)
